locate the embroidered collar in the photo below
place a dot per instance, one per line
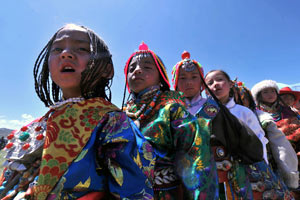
(194, 102)
(270, 109)
(145, 95)
(70, 100)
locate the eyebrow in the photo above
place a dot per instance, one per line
(80, 41)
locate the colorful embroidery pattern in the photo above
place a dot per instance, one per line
(126, 173)
(238, 183)
(115, 159)
(181, 142)
(265, 184)
(65, 138)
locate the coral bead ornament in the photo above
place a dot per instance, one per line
(25, 146)
(143, 47)
(39, 136)
(185, 55)
(24, 128)
(38, 128)
(9, 145)
(10, 136)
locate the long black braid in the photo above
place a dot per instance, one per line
(95, 81)
(41, 80)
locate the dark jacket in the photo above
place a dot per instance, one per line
(238, 139)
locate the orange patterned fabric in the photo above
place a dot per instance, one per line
(68, 130)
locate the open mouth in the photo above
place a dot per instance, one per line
(67, 69)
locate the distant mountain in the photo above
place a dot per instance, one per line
(4, 132)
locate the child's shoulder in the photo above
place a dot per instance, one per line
(244, 109)
(263, 116)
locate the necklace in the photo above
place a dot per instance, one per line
(70, 100)
(275, 110)
(139, 115)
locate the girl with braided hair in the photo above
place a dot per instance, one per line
(267, 98)
(187, 77)
(282, 157)
(84, 147)
(264, 182)
(185, 168)
(236, 148)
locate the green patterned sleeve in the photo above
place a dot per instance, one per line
(194, 161)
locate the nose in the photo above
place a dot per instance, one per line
(138, 69)
(213, 85)
(66, 53)
(188, 82)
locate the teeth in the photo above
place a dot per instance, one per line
(68, 69)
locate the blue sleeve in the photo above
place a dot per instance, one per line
(128, 158)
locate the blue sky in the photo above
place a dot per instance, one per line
(252, 40)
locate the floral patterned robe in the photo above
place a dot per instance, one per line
(185, 168)
(88, 150)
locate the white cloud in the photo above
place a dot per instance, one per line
(15, 123)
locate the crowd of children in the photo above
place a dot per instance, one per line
(209, 138)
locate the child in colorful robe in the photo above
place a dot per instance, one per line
(84, 147)
(288, 96)
(188, 78)
(265, 184)
(266, 96)
(282, 157)
(185, 168)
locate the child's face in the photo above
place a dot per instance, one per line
(288, 99)
(142, 73)
(189, 82)
(269, 95)
(297, 105)
(219, 85)
(69, 56)
(246, 101)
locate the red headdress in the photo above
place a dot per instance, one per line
(143, 49)
(288, 90)
(187, 62)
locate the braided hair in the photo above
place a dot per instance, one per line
(242, 92)
(96, 79)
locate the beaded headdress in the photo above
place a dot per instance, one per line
(241, 88)
(143, 52)
(188, 65)
(242, 92)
